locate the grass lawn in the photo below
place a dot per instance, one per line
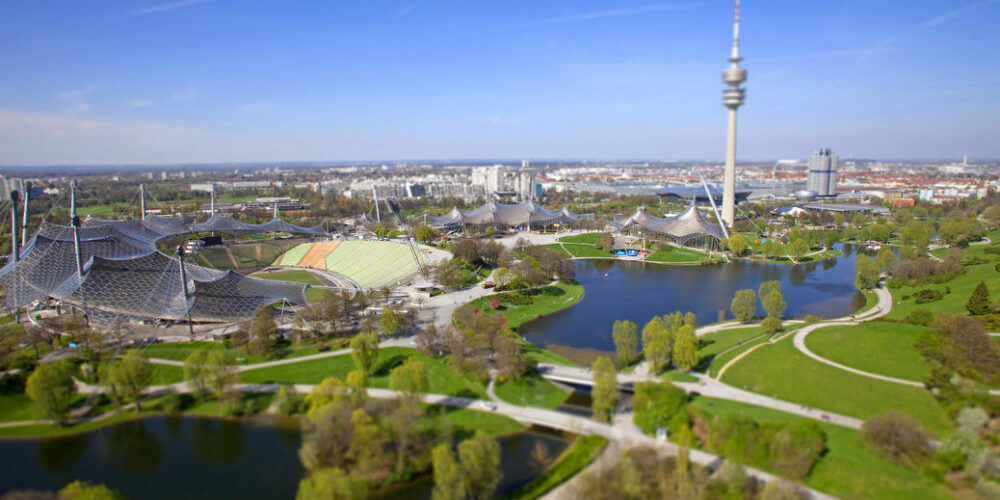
(710, 345)
(674, 254)
(18, 406)
(531, 390)
(104, 211)
(558, 248)
(877, 347)
(547, 300)
(781, 371)
(961, 286)
(167, 374)
(588, 238)
(180, 351)
(848, 469)
(581, 250)
(469, 421)
(441, 378)
(534, 353)
(583, 451)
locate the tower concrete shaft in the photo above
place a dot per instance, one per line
(732, 98)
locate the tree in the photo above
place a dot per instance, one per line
(885, 258)
(897, 437)
(130, 377)
(744, 305)
(773, 303)
(390, 320)
(479, 457)
(263, 332)
(780, 489)
(510, 359)
(219, 372)
(604, 394)
(626, 337)
(685, 355)
(331, 484)
(738, 244)
(656, 344)
(605, 242)
(82, 490)
(424, 234)
(51, 388)
(655, 403)
(867, 271)
(766, 288)
(838, 219)
(771, 324)
(830, 238)
(449, 479)
(194, 372)
(979, 301)
(799, 248)
(410, 378)
(364, 351)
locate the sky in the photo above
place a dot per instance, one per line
(204, 81)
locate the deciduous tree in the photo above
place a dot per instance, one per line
(626, 337)
(130, 377)
(744, 305)
(685, 352)
(479, 457)
(604, 395)
(364, 351)
(51, 388)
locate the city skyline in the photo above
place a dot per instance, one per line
(209, 81)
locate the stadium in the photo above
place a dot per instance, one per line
(113, 270)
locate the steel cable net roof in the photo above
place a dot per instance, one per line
(225, 223)
(497, 214)
(124, 275)
(683, 226)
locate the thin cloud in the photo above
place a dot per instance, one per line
(69, 95)
(404, 10)
(141, 103)
(950, 16)
(604, 14)
(164, 7)
(185, 96)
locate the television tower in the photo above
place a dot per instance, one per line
(732, 98)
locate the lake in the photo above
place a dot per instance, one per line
(168, 457)
(637, 291)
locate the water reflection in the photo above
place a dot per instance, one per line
(134, 447)
(57, 454)
(217, 441)
(638, 291)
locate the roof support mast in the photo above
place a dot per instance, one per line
(14, 250)
(75, 220)
(24, 223)
(184, 286)
(142, 201)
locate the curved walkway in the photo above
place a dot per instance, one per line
(626, 435)
(883, 307)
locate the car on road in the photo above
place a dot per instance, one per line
(488, 405)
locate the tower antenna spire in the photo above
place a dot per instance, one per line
(732, 98)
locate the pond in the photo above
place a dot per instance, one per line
(166, 457)
(638, 291)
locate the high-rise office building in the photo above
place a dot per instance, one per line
(526, 186)
(822, 178)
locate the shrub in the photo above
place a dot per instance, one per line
(771, 325)
(897, 437)
(921, 317)
(516, 299)
(811, 318)
(655, 404)
(174, 402)
(927, 295)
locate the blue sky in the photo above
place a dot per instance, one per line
(254, 80)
